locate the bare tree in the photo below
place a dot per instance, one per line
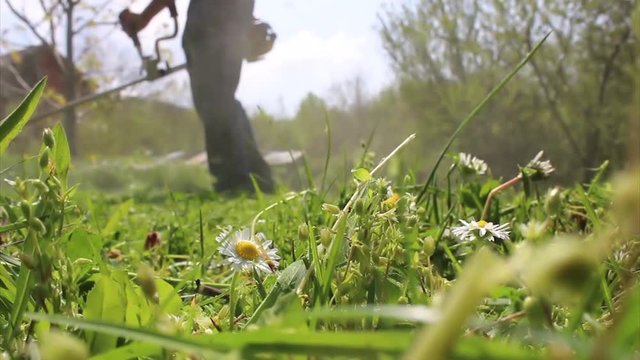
(63, 21)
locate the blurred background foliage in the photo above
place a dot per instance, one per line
(574, 100)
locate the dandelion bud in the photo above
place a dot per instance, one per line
(57, 345)
(535, 311)
(412, 221)
(147, 282)
(44, 159)
(325, 236)
(553, 202)
(331, 209)
(37, 225)
(25, 206)
(48, 138)
(429, 246)
(403, 300)
(303, 232)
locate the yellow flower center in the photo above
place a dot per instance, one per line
(247, 250)
(392, 200)
(482, 223)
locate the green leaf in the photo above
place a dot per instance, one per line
(168, 297)
(334, 252)
(361, 174)
(106, 302)
(288, 279)
(61, 153)
(264, 340)
(82, 244)
(115, 218)
(412, 313)
(283, 341)
(11, 126)
(24, 285)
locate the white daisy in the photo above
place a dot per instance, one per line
(538, 169)
(470, 231)
(471, 165)
(244, 252)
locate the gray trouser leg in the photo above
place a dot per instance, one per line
(214, 42)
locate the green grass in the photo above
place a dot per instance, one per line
(375, 271)
(375, 288)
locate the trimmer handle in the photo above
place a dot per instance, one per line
(172, 9)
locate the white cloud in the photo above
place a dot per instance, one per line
(307, 62)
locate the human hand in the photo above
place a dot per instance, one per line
(132, 23)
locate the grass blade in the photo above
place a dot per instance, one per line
(11, 126)
(265, 340)
(23, 292)
(475, 112)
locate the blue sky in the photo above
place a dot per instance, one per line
(322, 45)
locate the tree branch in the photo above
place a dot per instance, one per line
(27, 22)
(550, 100)
(96, 10)
(608, 66)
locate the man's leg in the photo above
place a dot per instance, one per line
(215, 44)
(257, 166)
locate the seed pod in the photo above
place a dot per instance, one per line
(535, 311)
(28, 261)
(553, 202)
(48, 138)
(147, 282)
(331, 209)
(40, 186)
(19, 185)
(429, 246)
(37, 225)
(25, 206)
(325, 236)
(359, 207)
(303, 232)
(44, 159)
(55, 183)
